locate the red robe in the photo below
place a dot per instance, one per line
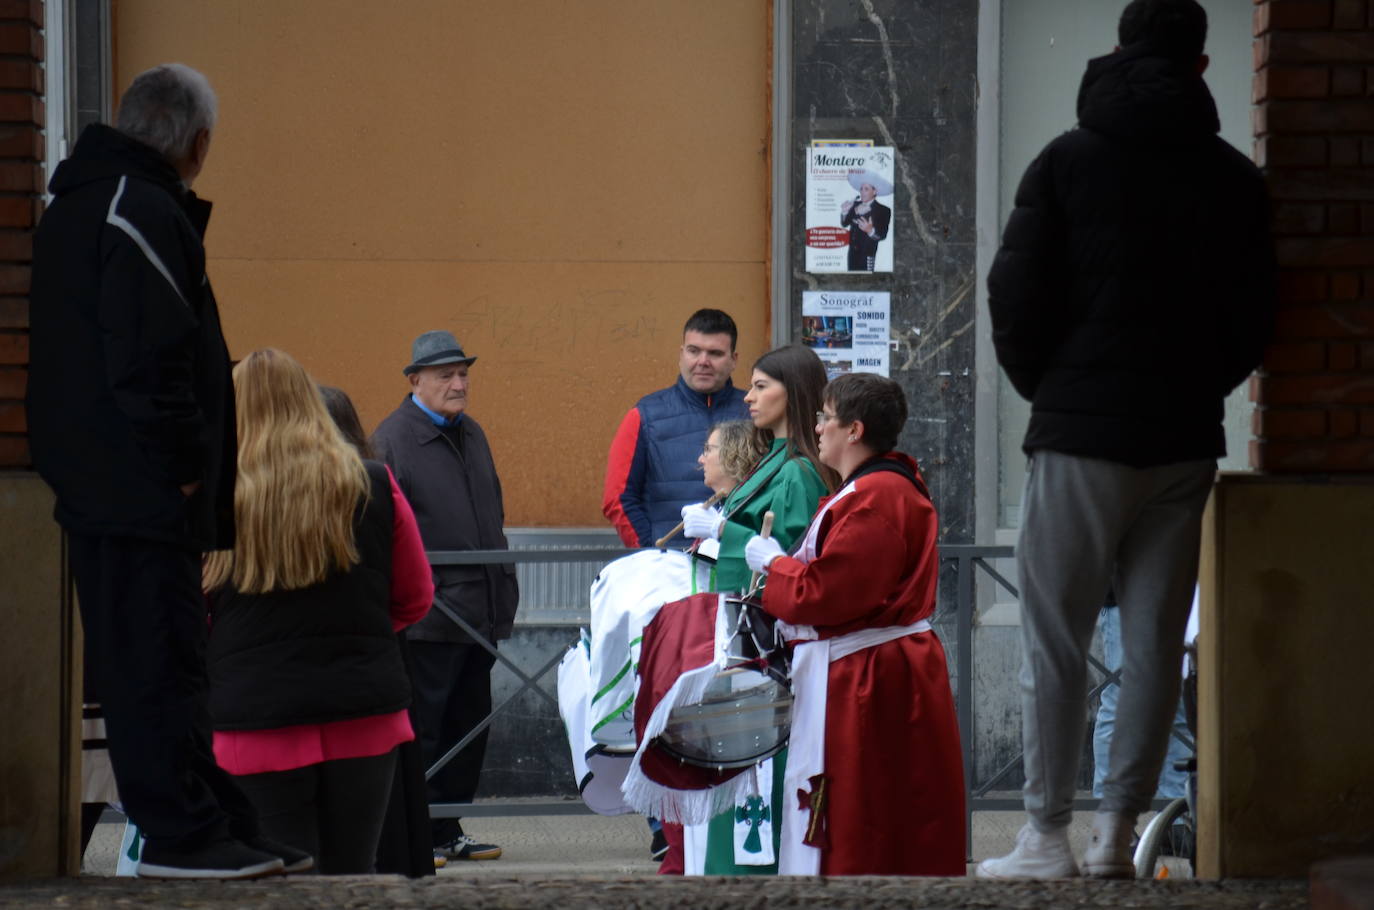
(895, 779)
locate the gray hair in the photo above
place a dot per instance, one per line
(165, 107)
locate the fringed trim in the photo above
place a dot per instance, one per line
(684, 807)
(641, 792)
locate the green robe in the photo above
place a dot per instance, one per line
(792, 494)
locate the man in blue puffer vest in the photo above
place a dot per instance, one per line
(652, 470)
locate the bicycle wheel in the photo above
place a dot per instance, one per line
(1167, 844)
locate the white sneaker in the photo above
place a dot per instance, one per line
(1109, 852)
(1036, 855)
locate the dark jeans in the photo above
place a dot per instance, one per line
(144, 621)
(332, 810)
(452, 694)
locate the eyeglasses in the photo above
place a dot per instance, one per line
(708, 449)
(823, 418)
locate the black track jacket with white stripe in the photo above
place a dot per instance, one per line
(129, 394)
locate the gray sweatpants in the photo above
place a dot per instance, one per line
(1087, 523)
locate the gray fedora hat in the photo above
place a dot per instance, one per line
(434, 348)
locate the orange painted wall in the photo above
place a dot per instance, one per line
(559, 183)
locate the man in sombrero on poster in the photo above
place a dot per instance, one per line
(867, 219)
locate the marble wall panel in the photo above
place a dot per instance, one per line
(904, 74)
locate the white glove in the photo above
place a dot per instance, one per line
(760, 551)
(700, 521)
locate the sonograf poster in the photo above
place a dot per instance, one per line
(848, 330)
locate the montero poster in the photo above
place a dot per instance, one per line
(848, 330)
(849, 209)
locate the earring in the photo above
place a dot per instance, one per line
(853, 439)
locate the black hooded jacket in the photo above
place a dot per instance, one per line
(1134, 287)
(129, 394)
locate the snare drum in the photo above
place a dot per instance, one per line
(626, 595)
(745, 713)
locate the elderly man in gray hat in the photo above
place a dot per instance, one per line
(443, 464)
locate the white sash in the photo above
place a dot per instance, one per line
(806, 745)
(810, 688)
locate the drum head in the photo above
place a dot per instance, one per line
(743, 718)
(746, 712)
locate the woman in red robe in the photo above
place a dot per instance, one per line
(875, 778)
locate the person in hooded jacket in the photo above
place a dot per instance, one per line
(131, 422)
(1134, 289)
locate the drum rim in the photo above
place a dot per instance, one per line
(723, 765)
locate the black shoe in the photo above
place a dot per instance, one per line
(465, 847)
(659, 848)
(224, 859)
(293, 859)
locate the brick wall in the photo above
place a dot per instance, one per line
(1314, 137)
(21, 187)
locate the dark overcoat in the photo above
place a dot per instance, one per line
(451, 483)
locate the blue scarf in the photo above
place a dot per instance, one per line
(439, 419)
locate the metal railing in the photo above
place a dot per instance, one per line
(599, 555)
(967, 561)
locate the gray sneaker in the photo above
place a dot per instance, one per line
(1109, 852)
(1036, 855)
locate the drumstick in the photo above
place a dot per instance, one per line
(662, 542)
(765, 531)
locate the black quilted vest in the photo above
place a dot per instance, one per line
(318, 654)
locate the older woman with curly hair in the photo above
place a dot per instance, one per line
(731, 451)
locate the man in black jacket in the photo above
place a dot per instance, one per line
(1134, 289)
(867, 219)
(131, 422)
(443, 464)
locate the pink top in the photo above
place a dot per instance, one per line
(284, 748)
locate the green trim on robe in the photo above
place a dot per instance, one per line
(720, 833)
(792, 495)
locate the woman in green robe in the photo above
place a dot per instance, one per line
(789, 480)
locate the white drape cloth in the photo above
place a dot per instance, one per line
(625, 597)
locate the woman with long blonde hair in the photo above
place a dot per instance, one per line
(308, 692)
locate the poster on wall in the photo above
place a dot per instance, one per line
(849, 199)
(848, 330)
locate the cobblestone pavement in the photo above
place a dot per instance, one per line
(589, 861)
(588, 844)
(498, 893)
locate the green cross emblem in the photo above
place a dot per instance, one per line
(755, 812)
